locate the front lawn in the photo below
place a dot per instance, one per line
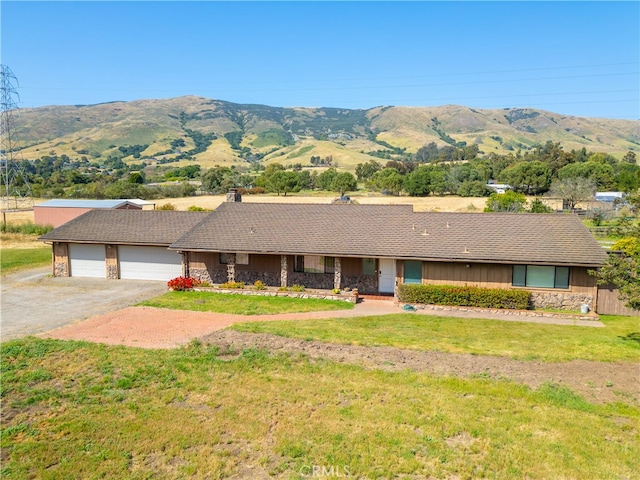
(242, 304)
(76, 410)
(618, 341)
(14, 259)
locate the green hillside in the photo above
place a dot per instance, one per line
(214, 132)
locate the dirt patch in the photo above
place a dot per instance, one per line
(596, 381)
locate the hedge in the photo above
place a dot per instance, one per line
(464, 296)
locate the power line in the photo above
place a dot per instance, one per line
(16, 190)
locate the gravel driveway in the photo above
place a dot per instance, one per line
(34, 302)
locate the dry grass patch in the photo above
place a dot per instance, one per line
(424, 204)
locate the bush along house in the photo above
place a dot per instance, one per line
(371, 248)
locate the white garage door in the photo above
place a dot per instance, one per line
(87, 260)
(149, 263)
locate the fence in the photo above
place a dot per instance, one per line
(609, 304)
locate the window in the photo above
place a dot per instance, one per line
(368, 266)
(412, 272)
(540, 276)
(314, 264)
(237, 258)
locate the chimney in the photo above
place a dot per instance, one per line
(234, 196)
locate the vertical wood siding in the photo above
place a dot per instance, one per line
(610, 304)
(497, 276)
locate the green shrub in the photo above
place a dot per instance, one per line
(297, 288)
(233, 285)
(464, 296)
(28, 228)
(259, 285)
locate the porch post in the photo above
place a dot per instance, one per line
(284, 271)
(337, 273)
(231, 268)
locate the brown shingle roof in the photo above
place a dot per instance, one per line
(139, 227)
(394, 231)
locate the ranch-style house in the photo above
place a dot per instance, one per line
(372, 248)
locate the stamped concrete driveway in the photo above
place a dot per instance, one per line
(33, 302)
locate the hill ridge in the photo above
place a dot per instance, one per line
(212, 131)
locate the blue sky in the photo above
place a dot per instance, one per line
(574, 58)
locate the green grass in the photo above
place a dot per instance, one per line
(77, 410)
(14, 259)
(519, 340)
(242, 304)
(301, 151)
(28, 228)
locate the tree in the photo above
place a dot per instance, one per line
(623, 271)
(572, 191)
(218, 180)
(136, 177)
(509, 201)
(325, 179)
(629, 157)
(601, 173)
(553, 155)
(417, 183)
(306, 180)
(538, 206)
(343, 183)
(387, 180)
(365, 171)
(627, 176)
(473, 188)
(531, 178)
(282, 182)
(438, 179)
(427, 153)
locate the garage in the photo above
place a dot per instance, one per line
(87, 260)
(148, 263)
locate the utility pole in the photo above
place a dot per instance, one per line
(16, 190)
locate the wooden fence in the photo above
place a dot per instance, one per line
(609, 304)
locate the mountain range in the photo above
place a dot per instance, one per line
(214, 132)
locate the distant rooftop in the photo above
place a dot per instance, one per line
(84, 203)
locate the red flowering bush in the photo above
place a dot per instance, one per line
(183, 283)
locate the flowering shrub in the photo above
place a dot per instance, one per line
(183, 283)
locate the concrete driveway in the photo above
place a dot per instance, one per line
(33, 302)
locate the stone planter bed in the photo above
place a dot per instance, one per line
(344, 296)
(512, 312)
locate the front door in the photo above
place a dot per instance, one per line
(387, 275)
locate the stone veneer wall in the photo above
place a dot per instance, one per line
(271, 279)
(60, 269)
(323, 281)
(561, 300)
(365, 284)
(204, 275)
(350, 297)
(112, 272)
